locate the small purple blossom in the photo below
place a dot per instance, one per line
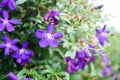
(91, 48)
(8, 45)
(23, 55)
(48, 38)
(51, 17)
(4, 22)
(12, 76)
(11, 4)
(26, 79)
(107, 70)
(102, 35)
(104, 57)
(71, 66)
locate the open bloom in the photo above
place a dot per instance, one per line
(12, 76)
(11, 4)
(4, 22)
(102, 35)
(48, 37)
(23, 55)
(8, 45)
(51, 17)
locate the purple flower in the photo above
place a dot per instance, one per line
(8, 45)
(107, 70)
(71, 66)
(7, 23)
(104, 57)
(27, 79)
(102, 35)
(23, 56)
(51, 17)
(48, 37)
(11, 4)
(82, 58)
(12, 76)
(91, 48)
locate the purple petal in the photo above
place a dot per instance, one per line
(58, 35)
(19, 60)
(105, 58)
(50, 28)
(104, 27)
(1, 20)
(3, 3)
(10, 28)
(5, 15)
(55, 21)
(14, 48)
(14, 41)
(16, 55)
(40, 34)
(98, 31)
(31, 53)
(14, 21)
(46, 17)
(106, 39)
(2, 27)
(25, 44)
(53, 43)
(24, 56)
(43, 43)
(54, 13)
(6, 38)
(101, 40)
(7, 51)
(12, 76)
(2, 45)
(12, 4)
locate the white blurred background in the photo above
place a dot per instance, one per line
(111, 8)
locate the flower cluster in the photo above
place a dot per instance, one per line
(86, 54)
(22, 54)
(49, 38)
(12, 76)
(81, 59)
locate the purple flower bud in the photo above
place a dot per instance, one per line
(12, 76)
(100, 6)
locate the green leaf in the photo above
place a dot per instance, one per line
(67, 76)
(48, 70)
(72, 37)
(70, 53)
(22, 72)
(20, 1)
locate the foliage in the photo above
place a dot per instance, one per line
(78, 19)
